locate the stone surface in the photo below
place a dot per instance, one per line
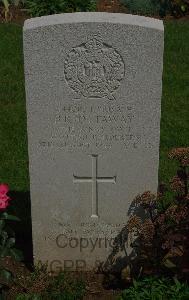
(93, 89)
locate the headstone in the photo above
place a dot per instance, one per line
(93, 90)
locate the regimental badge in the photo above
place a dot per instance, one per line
(94, 69)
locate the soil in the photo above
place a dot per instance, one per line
(95, 283)
(95, 288)
(16, 15)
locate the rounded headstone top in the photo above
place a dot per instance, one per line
(93, 17)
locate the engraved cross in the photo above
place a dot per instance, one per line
(94, 179)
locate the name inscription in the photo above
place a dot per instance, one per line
(93, 126)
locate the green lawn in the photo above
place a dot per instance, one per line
(13, 135)
(175, 100)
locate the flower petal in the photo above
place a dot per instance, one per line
(4, 188)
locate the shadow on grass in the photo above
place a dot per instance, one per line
(20, 206)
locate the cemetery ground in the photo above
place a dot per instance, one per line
(13, 134)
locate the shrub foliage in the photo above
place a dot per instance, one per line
(153, 288)
(160, 240)
(39, 8)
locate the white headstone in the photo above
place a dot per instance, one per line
(93, 89)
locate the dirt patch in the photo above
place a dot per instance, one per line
(95, 287)
(15, 15)
(95, 283)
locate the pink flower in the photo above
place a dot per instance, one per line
(4, 189)
(4, 199)
(3, 204)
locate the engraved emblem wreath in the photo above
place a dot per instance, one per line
(94, 69)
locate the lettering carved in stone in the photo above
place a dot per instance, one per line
(94, 69)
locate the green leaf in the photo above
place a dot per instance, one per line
(6, 4)
(135, 284)
(5, 275)
(16, 254)
(2, 224)
(6, 216)
(4, 237)
(183, 8)
(36, 297)
(5, 252)
(10, 242)
(16, 2)
(169, 264)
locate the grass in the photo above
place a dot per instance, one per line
(175, 100)
(13, 134)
